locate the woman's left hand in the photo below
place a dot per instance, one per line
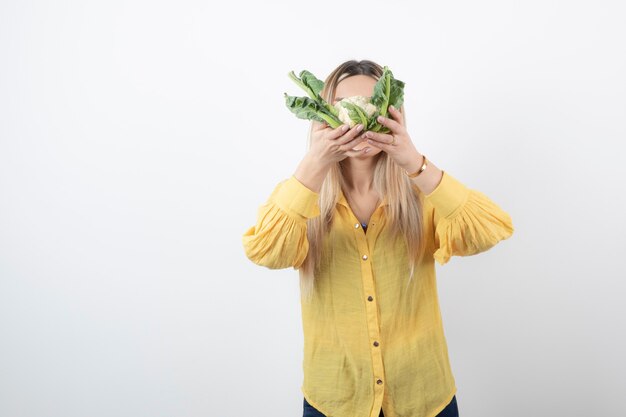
(402, 151)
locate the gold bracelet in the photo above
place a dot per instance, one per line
(415, 174)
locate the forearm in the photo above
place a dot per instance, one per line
(311, 172)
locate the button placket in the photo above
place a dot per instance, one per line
(364, 244)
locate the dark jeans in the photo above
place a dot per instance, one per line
(451, 410)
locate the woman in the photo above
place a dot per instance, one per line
(363, 219)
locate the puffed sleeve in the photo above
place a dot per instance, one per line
(279, 237)
(465, 221)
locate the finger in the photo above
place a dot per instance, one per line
(351, 144)
(382, 145)
(354, 132)
(338, 131)
(394, 126)
(397, 115)
(384, 138)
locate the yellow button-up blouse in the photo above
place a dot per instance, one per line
(371, 342)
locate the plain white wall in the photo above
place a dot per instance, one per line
(139, 138)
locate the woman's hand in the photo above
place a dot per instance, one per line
(327, 146)
(333, 145)
(403, 151)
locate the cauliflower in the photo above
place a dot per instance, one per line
(361, 101)
(350, 110)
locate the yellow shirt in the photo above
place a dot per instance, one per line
(366, 344)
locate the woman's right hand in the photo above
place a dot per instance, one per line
(333, 145)
(327, 147)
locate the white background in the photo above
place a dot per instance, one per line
(139, 138)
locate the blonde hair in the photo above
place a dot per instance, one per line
(404, 210)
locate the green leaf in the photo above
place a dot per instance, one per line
(379, 91)
(312, 82)
(313, 86)
(396, 95)
(372, 122)
(387, 91)
(302, 85)
(306, 108)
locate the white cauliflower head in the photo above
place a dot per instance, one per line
(363, 102)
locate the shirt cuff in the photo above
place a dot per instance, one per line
(293, 196)
(449, 195)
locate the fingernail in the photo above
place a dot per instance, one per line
(359, 128)
(380, 118)
(345, 127)
(367, 150)
(392, 108)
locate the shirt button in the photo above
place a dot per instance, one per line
(370, 298)
(379, 381)
(365, 257)
(376, 343)
(356, 225)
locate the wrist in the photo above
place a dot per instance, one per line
(416, 163)
(315, 164)
(311, 172)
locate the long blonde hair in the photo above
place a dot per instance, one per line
(403, 212)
